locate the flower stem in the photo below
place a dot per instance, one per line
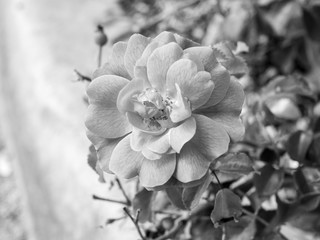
(108, 200)
(100, 56)
(123, 192)
(135, 221)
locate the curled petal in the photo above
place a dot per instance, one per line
(159, 144)
(115, 65)
(104, 148)
(157, 172)
(184, 42)
(205, 55)
(136, 45)
(211, 139)
(181, 108)
(196, 86)
(150, 155)
(107, 122)
(182, 134)
(125, 101)
(191, 164)
(124, 161)
(159, 62)
(104, 90)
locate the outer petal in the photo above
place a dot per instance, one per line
(107, 122)
(181, 108)
(124, 161)
(159, 144)
(136, 45)
(196, 86)
(219, 74)
(228, 110)
(160, 61)
(211, 139)
(115, 65)
(182, 134)
(138, 139)
(104, 148)
(184, 42)
(158, 172)
(104, 90)
(191, 164)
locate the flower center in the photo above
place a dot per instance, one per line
(155, 109)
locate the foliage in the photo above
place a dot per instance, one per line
(271, 177)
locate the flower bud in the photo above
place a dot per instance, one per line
(100, 38)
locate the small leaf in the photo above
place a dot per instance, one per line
(298, 144)
(314, 151)
(143, 201)
(234, 163)
(283, 108)
(268, 181)
(94, 163)
(301, 181)
(227, 206)
(310, 201)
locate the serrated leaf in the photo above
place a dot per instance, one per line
(268, 181)
(227, 206)
(298, 144)
(143, 201)
(233, 163)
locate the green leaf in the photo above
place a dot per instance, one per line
(283, 108)
(243, 230)
(227, 206)
(268, 181)
(301, 182)
(313, 154)
(234, 163)
(298, 144)
(143, 201)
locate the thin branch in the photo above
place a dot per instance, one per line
(135, 222)
(108, 200)
(123, 192)
(82, 77)
(215, 175)
(100, 56)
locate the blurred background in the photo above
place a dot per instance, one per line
(46, 185)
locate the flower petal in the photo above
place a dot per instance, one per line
(191, 164)
(159, 144)
(136, 45)
(182, 134)
(138, 139)
(104, 148)
(227, 111)
(184, 42)
(196, 86)
(105, 89)
(219, 74)
(107, 122)
(181, 108)
(150, 155)
(159, 62)
(115, 65)
(211, 139)
(124, 161)
(124, 101)
(157, 172)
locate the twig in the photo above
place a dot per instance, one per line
(172, 213)
(108, 200)
(123, 192)
(135, 221)
(100, 56)
(82, 77)
(215, 175)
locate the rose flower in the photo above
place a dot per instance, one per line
(163, 109)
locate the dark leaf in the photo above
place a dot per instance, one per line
(243, 230)
(268, 181)
(311, 20)
(227, 206)
(313, 154)
(233, 163)
(301, 182)
(143, 201)
(283, 108)
(298, 144)
(310, 201)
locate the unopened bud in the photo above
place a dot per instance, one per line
(100, 38)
